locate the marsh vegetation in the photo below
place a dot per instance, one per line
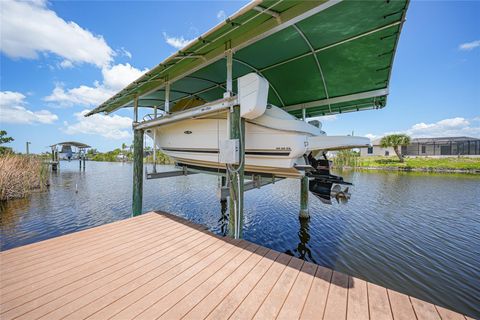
(20, 175)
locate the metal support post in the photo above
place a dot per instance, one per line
(167, 97)
(137, 172)
(135, 110)
(229, 92)
(304, 213)
(154, 150)
(155, 114)
(236, 175)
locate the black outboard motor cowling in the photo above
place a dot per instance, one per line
(325, 186)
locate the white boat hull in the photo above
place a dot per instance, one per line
(196, 142)
(267, 150)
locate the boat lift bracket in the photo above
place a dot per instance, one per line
(168, 174)
(256, 182)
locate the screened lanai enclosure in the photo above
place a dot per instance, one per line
(443, 146)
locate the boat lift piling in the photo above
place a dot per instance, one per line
(304, 212)
(137, 196)
(236, 175)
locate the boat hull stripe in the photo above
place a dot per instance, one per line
(256, 153)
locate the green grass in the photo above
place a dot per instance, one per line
(421, 163)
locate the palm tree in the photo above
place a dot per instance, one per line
(395, 141)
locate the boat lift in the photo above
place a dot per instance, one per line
(319, 57)
(66, 148)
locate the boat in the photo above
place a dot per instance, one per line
(276, 143)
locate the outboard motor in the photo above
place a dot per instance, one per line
(326, 186)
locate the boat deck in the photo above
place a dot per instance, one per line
(160, 266)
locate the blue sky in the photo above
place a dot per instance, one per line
(59, 59)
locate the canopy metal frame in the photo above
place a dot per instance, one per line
(269, 18)
(328, 101)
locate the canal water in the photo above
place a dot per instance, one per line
(415, 233)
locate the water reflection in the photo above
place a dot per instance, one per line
(223, 221)
(302, 250)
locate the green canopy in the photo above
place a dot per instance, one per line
(323, 56)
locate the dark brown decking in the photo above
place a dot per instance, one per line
(159, 266)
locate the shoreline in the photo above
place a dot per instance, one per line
(411, 169)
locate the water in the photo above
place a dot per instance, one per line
(415, 233)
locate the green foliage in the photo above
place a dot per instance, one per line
(126, 154)
(162, 158)
(4, 138)
(446, 163)
(346, 158)
(395, 140)
(111, 156)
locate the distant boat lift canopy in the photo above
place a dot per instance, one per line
(71, 143)
(326, 57)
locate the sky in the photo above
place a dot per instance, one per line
(60, 59)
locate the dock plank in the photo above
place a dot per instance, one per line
(378, 303)
(424, 310)
(212, 299)
(336, 307)
(217, 283)
(357, 299)
(402, 308)
(293, 306)
(275, 299)
(254, 300)
(161, 266)
(231, 302)
(314, 307)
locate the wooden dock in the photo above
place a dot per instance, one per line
(158, 266)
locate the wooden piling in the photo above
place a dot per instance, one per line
(304, 213)
(237, 131)
(137, 172)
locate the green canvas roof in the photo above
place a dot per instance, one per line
(325, 56)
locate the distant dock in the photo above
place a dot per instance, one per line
(158, 266)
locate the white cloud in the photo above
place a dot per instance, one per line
(469, 45)
(452, 127)
(30, 28)
(13, 110)
(125, 52)
(120, 75)
(66, 64)
(82, 95)
(111, 127)
(115, 78)
(221, 15)
(176, 42)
